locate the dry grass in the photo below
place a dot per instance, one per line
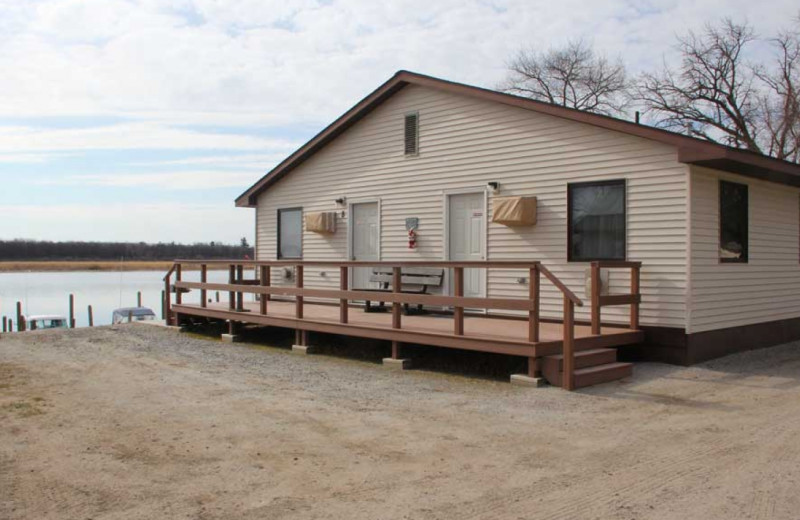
(38, 266)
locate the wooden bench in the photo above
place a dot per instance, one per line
(421, 278)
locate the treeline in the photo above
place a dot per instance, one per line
(11, 250)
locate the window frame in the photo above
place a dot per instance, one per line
(746, 256)
(278, 254)
(612, 182)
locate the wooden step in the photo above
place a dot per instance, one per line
(583, 359)
(594, 375)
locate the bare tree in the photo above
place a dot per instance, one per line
(780, 104)
(716, 95)
(572, 76)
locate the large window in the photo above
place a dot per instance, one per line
(596, 221)
(290, 233)
(733, 222)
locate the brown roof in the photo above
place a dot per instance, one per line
(690, 149)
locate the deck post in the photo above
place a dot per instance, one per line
(396, 306)
(178, 294)
(231, 281)
(240, 294)
(568, 374)
(343, 285)
(20, 319)
(5, 324)
(534, 367)
(203, 279)
(264, 280)
(72, 311)
(298, 277)
(595, 298)
(91, 316)
(139, 298)
(395, 350)
(166, 301)
(458, 291)
(533, 314)
(635, 274)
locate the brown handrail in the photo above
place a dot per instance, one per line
(236, 288)
(633, 298)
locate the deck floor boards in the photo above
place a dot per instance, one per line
(475, 326)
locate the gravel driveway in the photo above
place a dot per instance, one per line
(140, 422)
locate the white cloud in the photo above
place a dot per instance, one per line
(277, 62)
(191, 180)
(128, 222)
(138, 135)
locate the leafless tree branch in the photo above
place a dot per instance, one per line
(572, 76)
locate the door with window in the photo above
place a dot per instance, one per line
(364, 241)
(466, 224)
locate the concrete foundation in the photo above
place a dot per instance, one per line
(303, 350)
(525, 380)
(397, 364)
(231, 338)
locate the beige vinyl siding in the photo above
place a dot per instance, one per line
(465, 143)
(766, 288)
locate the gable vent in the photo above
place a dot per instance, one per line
(412, 134)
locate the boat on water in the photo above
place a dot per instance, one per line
(127, 314)
(47, 321)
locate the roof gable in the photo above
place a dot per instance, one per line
(690, 150)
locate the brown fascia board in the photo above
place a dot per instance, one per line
(690, 150)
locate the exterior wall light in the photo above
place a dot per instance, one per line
(494, 186)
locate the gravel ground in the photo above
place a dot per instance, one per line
(142, 422)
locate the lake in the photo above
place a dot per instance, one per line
(48, 293)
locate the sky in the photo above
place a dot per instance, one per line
(142, 120)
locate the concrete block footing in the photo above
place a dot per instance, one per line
(525, 380)
(303, 350)
(231, 338)
(397, 364)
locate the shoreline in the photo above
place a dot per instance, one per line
(88, 265)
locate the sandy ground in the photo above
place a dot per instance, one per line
(140, 422)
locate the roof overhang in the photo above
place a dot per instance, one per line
(690, 150)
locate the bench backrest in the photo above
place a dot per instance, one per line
(429, 276)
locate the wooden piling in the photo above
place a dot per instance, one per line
(20, 319)
(163, 305)
(91, 317)
(5, 324)
(139, 299)
(72, 311)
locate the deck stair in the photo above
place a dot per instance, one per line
(592, 367)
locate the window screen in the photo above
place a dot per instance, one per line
(290, 233)
(733, 222)
(596, 221)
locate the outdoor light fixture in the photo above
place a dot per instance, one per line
(340, 201)
(494, 186)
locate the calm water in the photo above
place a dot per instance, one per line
(48, 293)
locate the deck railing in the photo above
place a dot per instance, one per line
(237, 286)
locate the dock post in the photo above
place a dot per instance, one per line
(203, 279)
(20, 319)
(163, 305)
(91, 317)
(5, 324)
(72, 311)
(139, 299)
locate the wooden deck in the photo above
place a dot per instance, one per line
(301, 307)
(486, 334)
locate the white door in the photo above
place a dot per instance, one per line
(365, 241)
(467, 225)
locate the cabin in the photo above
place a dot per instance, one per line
(541, 231)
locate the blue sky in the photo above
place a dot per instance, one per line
(144, 119)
